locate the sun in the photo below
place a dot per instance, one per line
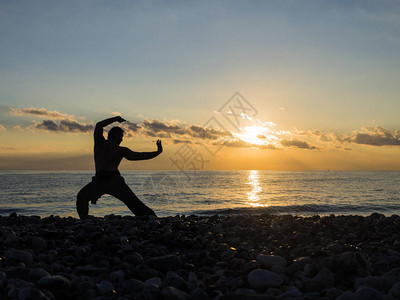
(257, 135)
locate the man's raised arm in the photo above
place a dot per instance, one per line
(98, 130)
(132, 155)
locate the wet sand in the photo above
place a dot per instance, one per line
(193, 257)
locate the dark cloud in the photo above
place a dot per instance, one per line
(376, 136)
(132, 126)
(297, 144)
(41, 112)
(74, 126)
(163, 129)
(63, 126)
(47, 125)
(207, 133)
(176, 141)
(130, 129)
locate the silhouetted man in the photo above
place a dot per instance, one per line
(107, 157)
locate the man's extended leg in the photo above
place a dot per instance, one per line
(82, 200)
(125, 194)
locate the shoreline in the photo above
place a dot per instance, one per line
(201, 257)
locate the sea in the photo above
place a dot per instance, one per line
(171, 193)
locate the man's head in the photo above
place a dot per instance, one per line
(116, 134)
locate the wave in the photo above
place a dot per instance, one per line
(311, 209)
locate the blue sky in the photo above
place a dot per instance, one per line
(305, 65)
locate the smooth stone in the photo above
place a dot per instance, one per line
(83, 251)
(56, 282)
(49, 295)
(199, 294)
(350, 262)
(369, 281)
(395, 290)
(164, 263)
(312, 295)
(19, 255)
(246, 297)
(153, 281)
(324, 279)
(117, 277)
(18, 272)
(38, 273)
(301, 238)
(38, 242)
(192, 282)
(11, 240)
(292, 293)
(91, 293)
(335, 248)
(268, 261)
(132, 286)
(278, 269)
(133, 258)
(19, 283)
(352, 236)
(245, 291)
(151, 287)
(13, 293)
(250, 266)
(260, 279)
(332, 293)
(150, 294)
(302, 261)
(105, 288)
(171, 293)
(175, 281)
(3, 278)
(91, 271)
(84, 286)
(30, 293)
(347, 296)
(367, 293)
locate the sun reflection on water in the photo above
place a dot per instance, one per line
(254, 194)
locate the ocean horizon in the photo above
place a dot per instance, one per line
(171, 193)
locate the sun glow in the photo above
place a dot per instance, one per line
(258, 135)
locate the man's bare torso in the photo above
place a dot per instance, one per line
(107, 155)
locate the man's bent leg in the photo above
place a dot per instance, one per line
(82, 200)
(123, 192)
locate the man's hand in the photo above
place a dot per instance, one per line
(159, 146)
(119, 119)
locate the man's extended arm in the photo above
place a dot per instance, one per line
(98, 131)
(132, 155)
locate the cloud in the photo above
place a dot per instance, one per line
(63, 126)
(241, 143)
(130, 128)
(372, 136)
(40, 112)
(207, 133)
(260, 135)
(297, 144)
(155, 128)
(164, 129)
(375, 136)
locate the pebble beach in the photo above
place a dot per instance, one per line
(198, 257)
